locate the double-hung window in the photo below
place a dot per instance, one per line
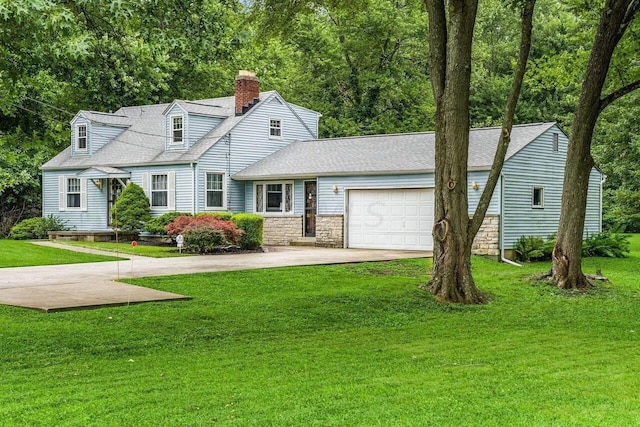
(215, 190)
(81, 137)
(274, 197)
(177, 130)
(275, 128)
(159, 191)
(73, 193)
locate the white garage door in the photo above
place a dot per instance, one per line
(390, 219)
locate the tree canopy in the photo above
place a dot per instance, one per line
(363, 64)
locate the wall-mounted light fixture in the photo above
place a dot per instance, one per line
(335, 189)
(474, 185)
(97, 183)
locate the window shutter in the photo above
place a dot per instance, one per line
(171, 191)
(83, 194)
(61, 193)
(145, 184)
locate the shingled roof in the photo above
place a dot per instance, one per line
(143, 140)
(381, 154)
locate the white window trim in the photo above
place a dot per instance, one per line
(281, 128)
(555, 142)
(533, 191)
(184, 133)
(63, 182)
(224, 191)
(171, 190)
(264, 212)
(77, 137)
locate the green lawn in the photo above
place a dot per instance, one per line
(126, 248)
(342, 345)
(20, 253)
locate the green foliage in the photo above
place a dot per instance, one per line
(606, 245)
(530, 248)
(203, 239)
(252, 225)
(220, 215)
(535, 248)
(616, 151)
(131, 210)
(157, 224)
(37, 228)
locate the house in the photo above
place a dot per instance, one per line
(377, 191)
(256, 152)
(182, 154)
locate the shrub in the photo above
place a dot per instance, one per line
(605, 245)
(36, 228)
(220, 215)
(157, 225)
(252, 225)
(202, 239)
(131, 210)
(530, 248)
(182, 224)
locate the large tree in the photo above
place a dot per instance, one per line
(615, 19)
(451, 26)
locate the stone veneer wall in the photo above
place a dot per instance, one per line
(330, 231)
(487, 241)
(280, 230)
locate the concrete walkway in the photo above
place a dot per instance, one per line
(61, 287)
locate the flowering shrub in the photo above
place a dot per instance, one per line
(232, 234)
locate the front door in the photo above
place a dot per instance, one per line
(310, 198)
(114, 188)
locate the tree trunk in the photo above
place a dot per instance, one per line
(567, 255)
(450, 60)
(450, 68)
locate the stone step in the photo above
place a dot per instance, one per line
(303, 241)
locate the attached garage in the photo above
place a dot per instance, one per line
(390, 218)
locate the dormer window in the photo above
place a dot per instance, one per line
(81, 138)
(177, 129)
(275, 128)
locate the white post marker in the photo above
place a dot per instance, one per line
(180, 242)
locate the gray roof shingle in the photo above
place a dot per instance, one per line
(143, 142)
(381, 154)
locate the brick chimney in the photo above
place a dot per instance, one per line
(247, 91)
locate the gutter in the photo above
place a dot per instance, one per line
(502, 257)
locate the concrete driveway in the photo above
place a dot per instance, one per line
(61, 287)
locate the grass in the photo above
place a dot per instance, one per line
(355, 344)
(126, 248)
(20, 253)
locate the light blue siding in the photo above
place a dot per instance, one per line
(183, 185)
(94, 218)
(199, 126)
(248, 142)
(537, 165)
(309, 117)
(101, 134)
(331, 203)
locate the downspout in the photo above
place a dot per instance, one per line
(194, 178)
(228, 180)
(501, 240)
(602, 181)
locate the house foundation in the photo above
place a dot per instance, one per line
(281, 230)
